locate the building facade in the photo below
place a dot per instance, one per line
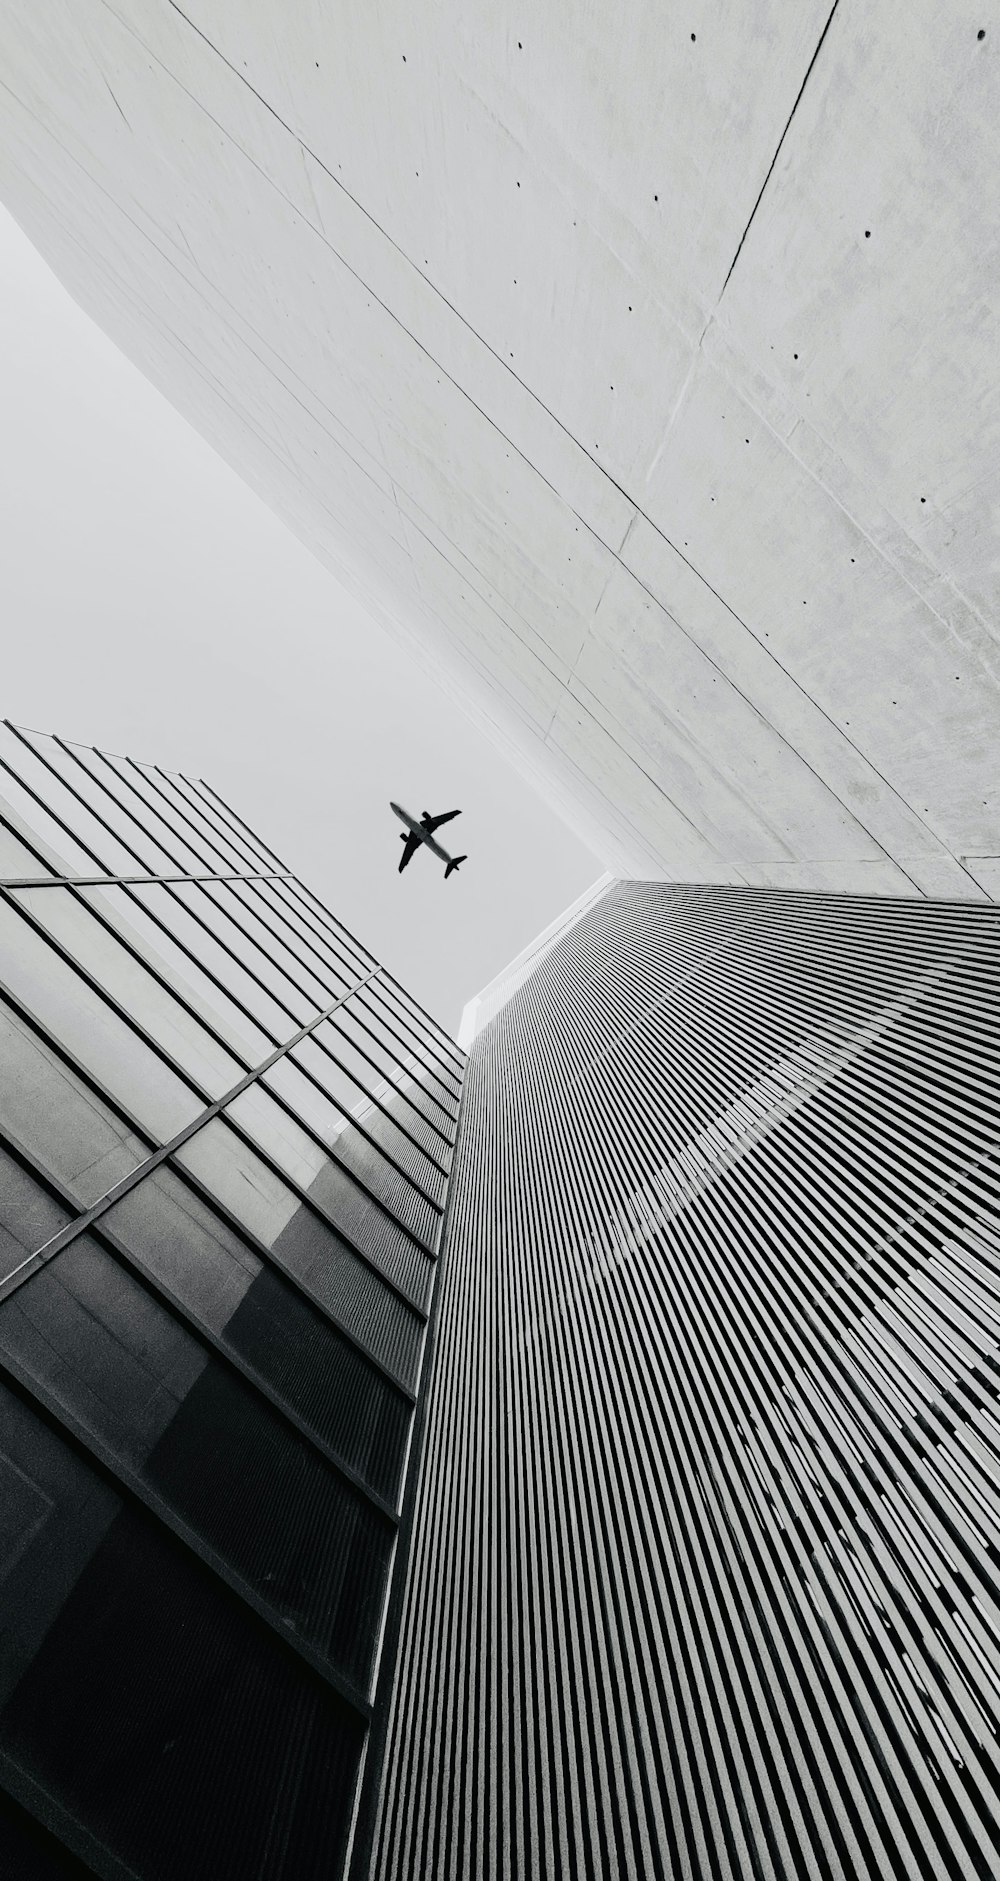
(597, 353)
(705, 1573)
(225, 1142)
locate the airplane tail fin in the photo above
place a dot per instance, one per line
(453, 864)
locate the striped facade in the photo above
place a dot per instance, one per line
(705, 1574)
(225, 1144)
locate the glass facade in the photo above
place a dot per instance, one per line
(705, 1572)
(225, 1145)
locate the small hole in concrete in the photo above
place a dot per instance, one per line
(795, 355)
(630, 310)
(519, 46)
(746, 440)
(404, 58)
(981, 33)
(852, 558)
(868, 235)
(694, 36)
(923, 499)
(656, 199)
(519, 186)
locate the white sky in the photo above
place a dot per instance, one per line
(154, 606)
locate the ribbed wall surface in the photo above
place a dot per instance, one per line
(705, 1578)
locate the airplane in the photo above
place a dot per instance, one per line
(423, 832)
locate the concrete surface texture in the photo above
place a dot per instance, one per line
(639, 363)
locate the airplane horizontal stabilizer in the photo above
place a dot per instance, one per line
(453, 864)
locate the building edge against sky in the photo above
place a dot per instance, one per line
(703, 1577)
(668, 448)
(225, 1141)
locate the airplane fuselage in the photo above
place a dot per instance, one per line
(416, 829)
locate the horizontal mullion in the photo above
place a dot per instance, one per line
(132, 1486)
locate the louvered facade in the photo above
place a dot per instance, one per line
(705, 1576)
(225, 1142)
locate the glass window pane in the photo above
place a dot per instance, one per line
(306, 1247)
(312, 909)
(80, 1020)
(197, 1433)
(136, 823)
(346, 967)
(242, 840)
(349, 1146)
(28, 1215)
(63, 853)
(68, 1130)
(413, 1035)
(181, 911)
(238, 901)
(329, 1184)
(267, 1322)
(182, 815)
(120, 1648)
(86, 818)
(159, 1014)
(16, 859)
(129, 917)
(419, 1149)
(339, 1041)
(360, 1026)
(441, 1050)
(202, 900)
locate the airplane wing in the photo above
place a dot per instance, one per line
(436, 821)
(412, 843)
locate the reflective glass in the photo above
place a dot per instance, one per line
(414, 1034)
(399, 1009)
(312, 911)
(80, 1020)
(344, 1137)
(218, 816)
(418, 1149)
(64, 854)
(69, 1131)
(128, 916)
(16, 859)
(266, 1321)
(86, 818)
(361, 1027)
(340, 1038)
(133, 817)
(345, 967)
(159, 1014)
(143, 1699)
(239, 902)
(261, 1497)
(182, 814)
(183, 910)
(201, 899)
(306, 1246)
(327, 1182)
(28, 1216)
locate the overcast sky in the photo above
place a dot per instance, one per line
(153, 605)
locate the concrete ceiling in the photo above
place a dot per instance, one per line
(639, 364)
